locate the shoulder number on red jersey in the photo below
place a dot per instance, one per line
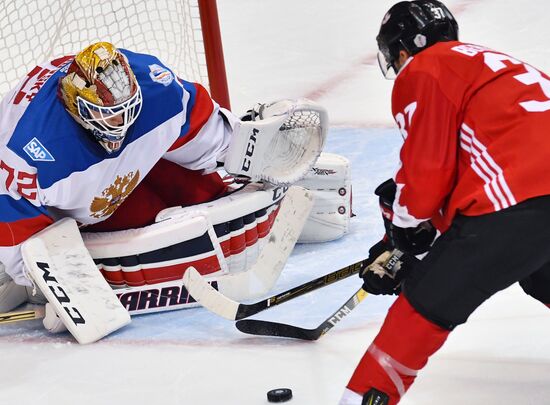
(497, 61)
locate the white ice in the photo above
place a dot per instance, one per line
(324, 50)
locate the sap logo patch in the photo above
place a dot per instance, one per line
(160, 75)
(37, 151)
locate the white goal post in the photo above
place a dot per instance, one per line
(184, 34)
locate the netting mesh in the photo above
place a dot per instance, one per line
(33, 31)
(297, 145)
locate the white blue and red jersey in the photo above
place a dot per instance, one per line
(51, 167)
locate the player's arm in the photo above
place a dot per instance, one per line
(19, 220)
(276, 142)
(428, 120)
(205, 135)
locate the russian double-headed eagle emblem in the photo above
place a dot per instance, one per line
(114, 195)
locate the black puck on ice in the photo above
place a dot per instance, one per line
(279, 395)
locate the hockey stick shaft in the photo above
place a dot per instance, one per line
(267, 328)
(246, 310)
(10, 317)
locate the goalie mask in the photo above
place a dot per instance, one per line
(413, 26)
(102, 94)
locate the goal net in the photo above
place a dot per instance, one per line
(33, 31)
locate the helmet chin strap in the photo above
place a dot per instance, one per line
(109, 146)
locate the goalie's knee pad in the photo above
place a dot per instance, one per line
(330, 181)
(12, 295)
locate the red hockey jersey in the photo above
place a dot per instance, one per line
(476, 125)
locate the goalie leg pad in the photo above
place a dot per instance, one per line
(330, 182)
(61, 267)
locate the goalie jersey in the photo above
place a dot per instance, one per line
(475, 128)
(51, 167)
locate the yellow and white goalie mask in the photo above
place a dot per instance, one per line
(101, 92)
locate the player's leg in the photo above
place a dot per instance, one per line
(474, 259)
(11, 294)
(166, 185)
(176, 185)
(139, 209)
(537, 285)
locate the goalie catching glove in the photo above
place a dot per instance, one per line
(387, 269)
(278, 142)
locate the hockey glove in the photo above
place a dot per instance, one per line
(413, 241)
(387, 269)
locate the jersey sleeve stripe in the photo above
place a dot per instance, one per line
(13, 210)
(14, 233)
(19, 219)
(199, 109)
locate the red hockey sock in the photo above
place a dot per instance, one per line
(401, 348)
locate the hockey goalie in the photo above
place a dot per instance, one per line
(110, 161)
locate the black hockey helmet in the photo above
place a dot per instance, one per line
(413, 26)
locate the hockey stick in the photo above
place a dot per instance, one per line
(9, 317)
(230, 309)
(263, 274)
(387, 262)
(267, 328)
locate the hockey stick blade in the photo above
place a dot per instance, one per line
(263, 274)
(10, 317)
(267, 328)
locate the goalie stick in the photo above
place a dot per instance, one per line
(263, 274)
(390, 265)
(232, 310)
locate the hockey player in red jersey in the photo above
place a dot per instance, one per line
(474, 164)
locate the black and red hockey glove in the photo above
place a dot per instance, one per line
(413, 241)
(386, 269)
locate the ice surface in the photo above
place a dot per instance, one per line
(325, 50)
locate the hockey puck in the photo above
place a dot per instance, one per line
(279, 395)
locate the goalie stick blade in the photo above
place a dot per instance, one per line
(276, 329)
(263, 274)
(208, 296)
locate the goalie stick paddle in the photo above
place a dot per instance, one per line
(9, 317)
(268, 328)
(263, 274)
